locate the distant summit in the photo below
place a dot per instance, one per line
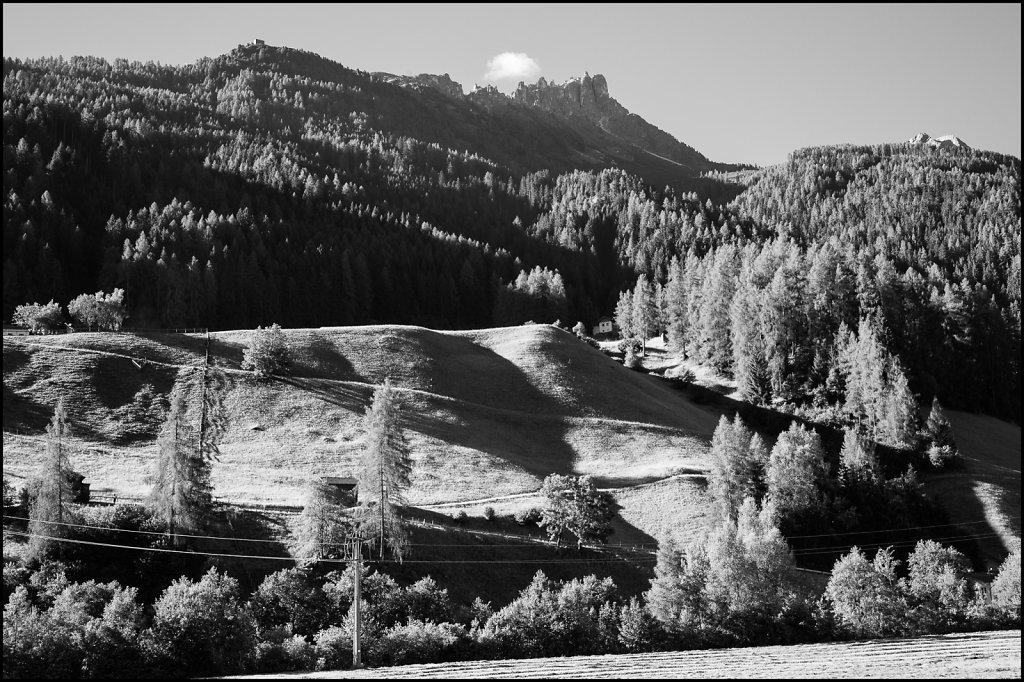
(442, 83)
(586, 97)
(943, 142)
(585, 104)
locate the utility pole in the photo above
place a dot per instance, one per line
(356, 598)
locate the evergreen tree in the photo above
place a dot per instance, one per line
(714, 342)
(624, 314)
(49, 507)
(938, 432)
(857, 456)
(384, 470)
(645, 311)
(937, 429)
(900, 418)
(736, 465)
(182, 493)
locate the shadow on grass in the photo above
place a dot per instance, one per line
(534, 438)
(497, 568)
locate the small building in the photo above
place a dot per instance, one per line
(15, 331)
(346, 487)
(257, 42)
(604, 326)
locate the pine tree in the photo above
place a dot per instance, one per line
(182, 493)
(385, 468)
(49, 507)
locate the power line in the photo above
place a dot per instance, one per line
(340, 561)
(886, 530)
(142, 532)
(530, 543)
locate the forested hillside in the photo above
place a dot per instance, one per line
(271, 185)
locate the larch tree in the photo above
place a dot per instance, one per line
(857, 457)
(322, 527)
(49, 507)
(624, 314)
(182, 493)
(645, 310)
(738, 460)
(384, 470)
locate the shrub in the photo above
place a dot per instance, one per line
(638, 630)
(684, 375)
(39, 318)
(425, 600)
(460, 517)
(267, 353)
(420, 642)
(1006, 586)
(36, 646)
(10, 494)
(280, 651)
(104, 311)
(865, 596)
(630, 344)
(202, 628)
(489, 513)
(333, 648)
(549, 619)
(944, 456)
(290, 597)
(526, 517)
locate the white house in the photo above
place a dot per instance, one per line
(603, 326)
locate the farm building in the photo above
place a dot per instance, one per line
(604, 326)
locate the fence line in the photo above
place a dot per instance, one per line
(18, 331)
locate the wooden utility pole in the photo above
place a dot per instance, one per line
(356, 598)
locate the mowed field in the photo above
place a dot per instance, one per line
(489, 413)
(970, 655)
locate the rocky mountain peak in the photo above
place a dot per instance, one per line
(442, 83)
(942, 142)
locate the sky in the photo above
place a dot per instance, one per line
(740, 83)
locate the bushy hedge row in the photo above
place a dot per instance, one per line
(297, 620)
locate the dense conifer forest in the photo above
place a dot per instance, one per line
(271, 185)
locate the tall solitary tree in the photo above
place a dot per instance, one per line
(385, 468)
(49, 507)
(182, 493)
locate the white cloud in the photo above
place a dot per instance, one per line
(508, 66)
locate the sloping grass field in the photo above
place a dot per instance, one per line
(969, 655)
(489, 413)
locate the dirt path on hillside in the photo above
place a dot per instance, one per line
(518, 496)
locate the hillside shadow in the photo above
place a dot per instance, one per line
(480, 425)
(455, 557)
